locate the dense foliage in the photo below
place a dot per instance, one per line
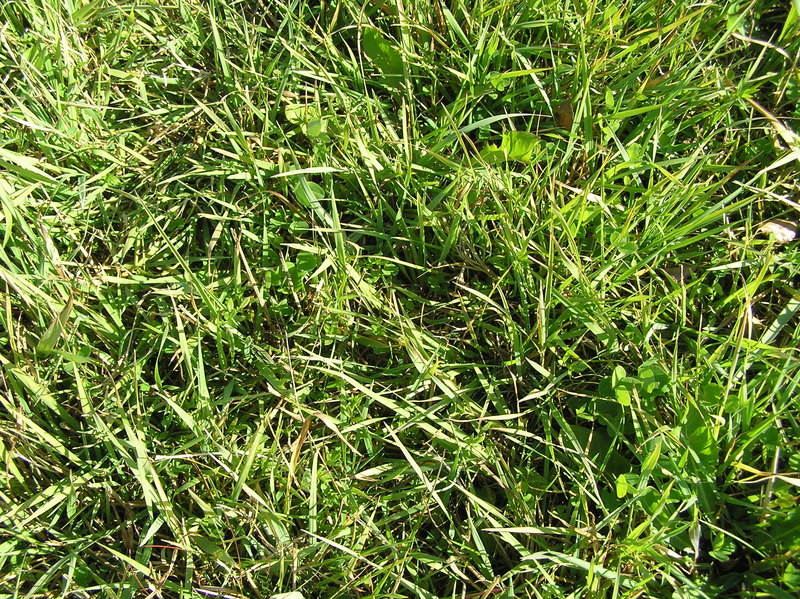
(399, 299)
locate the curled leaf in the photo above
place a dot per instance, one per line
(565, 115)
(783, 231)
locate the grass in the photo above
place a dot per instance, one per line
(351, 299)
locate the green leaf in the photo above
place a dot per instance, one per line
(499, 81)
(306, 262)
(300, 114)
(53, 333)
(790, 25)
(308, 117)
(623, 386)
(699, 437)
(654, 381)
(386, 58)
(791, 576)
(491, 154)
(315, 127)
(309, 195)
(649, 463)
(622, 486)
(722, 546)
(520, 145)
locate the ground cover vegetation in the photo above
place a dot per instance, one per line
(399, 299)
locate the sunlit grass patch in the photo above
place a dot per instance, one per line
(398, 299)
